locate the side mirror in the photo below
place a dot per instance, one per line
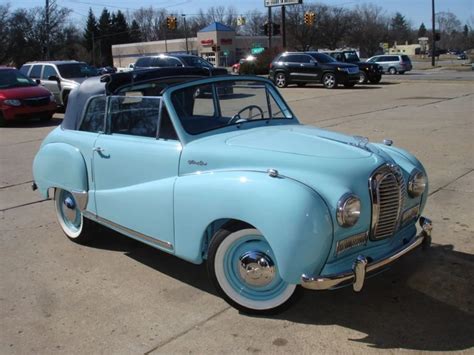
(38, 81)
(315, 64)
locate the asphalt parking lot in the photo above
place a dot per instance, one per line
(118, 296)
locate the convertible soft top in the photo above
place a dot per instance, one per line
(112, 84)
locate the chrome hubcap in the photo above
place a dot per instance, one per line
(256, 268)
(70, 208)
(329, 81)
(280, 80)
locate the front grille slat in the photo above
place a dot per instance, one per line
(387, 188)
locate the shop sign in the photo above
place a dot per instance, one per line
(227, 41)
(207, 42)
(268, 3)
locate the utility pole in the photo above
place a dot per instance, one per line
(46, 9)
(433, 33)
(270, 28)
(283, 26)
(185, 32)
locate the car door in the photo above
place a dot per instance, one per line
(134, 172)
(51, 85)
(293, 66)
(310, 69)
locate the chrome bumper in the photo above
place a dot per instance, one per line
(361, 266)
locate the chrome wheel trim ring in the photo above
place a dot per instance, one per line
(69, 217)
(280, 80)
(362, 78)
(329, 80)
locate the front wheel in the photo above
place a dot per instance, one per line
(330, 81)
(74, 225)
(362, 78)
(243, 268)
(392, 71)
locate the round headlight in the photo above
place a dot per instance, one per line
(348, 210)
(12, 102)
(417, 184)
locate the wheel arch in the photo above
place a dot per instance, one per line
(54, 157)
(294, 221)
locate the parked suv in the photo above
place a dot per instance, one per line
(393, 63)
(367, 71)
(59, 77)
(312, 67)
(177, 60)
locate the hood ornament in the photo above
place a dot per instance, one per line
(361, 142)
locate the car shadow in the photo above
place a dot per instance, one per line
(31, 123)
(412, 306)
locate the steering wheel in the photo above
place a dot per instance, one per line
(237, 119)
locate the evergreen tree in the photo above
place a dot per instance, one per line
(422, 30)
(120, 28)
(104, 35)
(135, 32)
(90, 34)
(399, 29)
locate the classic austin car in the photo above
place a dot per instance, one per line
(233, 180)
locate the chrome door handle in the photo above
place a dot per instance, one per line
(98, 150)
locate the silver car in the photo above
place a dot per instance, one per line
(59, 77)
(393, 63)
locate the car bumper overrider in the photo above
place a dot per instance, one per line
(362, 266)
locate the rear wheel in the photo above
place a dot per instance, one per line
(392, 71)
(281, 80)
(74, 225)
(243, 268)
(329, 81)
(362, 78)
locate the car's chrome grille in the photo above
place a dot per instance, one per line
(388, 191)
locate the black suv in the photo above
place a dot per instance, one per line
(368, 71)
(312, 67)
(177, 60)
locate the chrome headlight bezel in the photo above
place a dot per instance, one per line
(348, 210)
(416, 183)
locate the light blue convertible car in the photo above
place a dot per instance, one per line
(219, 170)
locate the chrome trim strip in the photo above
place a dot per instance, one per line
(81, 197)
(356, 274)
(129, 232)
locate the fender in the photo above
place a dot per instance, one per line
(293, 218)
(60, 157)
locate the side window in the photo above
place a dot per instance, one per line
(291, 58)
(133, 115)
(24, 69)
(166, 130)
(143, 62)
(393, 58)
(173, 62)
(93, 120)
(36, 72)
(48, 71)
(304, 59)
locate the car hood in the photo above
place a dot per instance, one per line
(24, 92)
(302, 140)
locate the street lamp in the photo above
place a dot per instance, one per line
(433, 39)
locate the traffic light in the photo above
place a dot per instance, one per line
(309, 17)
(171, 22)
(265, 28)
(276, 29)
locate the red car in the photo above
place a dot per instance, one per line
(22, 98)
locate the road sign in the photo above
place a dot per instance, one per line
(226, 52)
(257, 50)
(270, 3)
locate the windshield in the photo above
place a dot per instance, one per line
(207, 107)
(12, 78)
(322, 58)
(351, 57)
(76, 70)
(196, 62)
